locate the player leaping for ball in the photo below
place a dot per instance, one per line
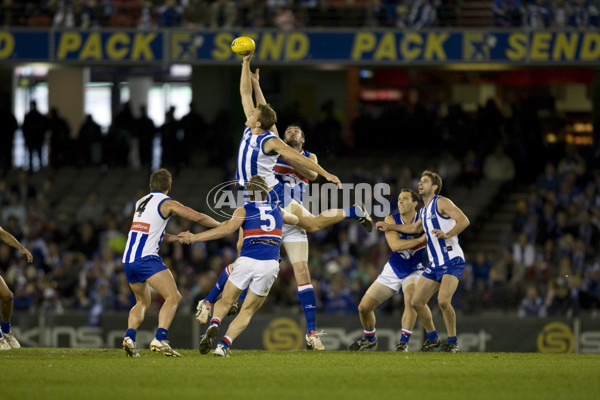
(292, 172)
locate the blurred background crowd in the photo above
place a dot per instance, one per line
(74, 212)
(291, 14)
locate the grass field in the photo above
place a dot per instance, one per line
(35, 373)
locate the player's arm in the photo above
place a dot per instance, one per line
(258, 93)
(225, 229)
(279, 146)
(13, 242)
(289, 218)
(302, 170)
(447, 208)
(246, 86)
(169, 207)
(410, 229)
(397, 244)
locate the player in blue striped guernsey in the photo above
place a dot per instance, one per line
(144, 267)
(257, 266)
(442, 221)
(403, 270)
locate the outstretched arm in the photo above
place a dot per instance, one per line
(246, 86)
(302, 170)
(289, 218)
(283, 149)
(397, 244)
(225, 229)
(174, 207)
(13, 242)
(411, 229)
(258, 94)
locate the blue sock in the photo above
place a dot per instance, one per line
(161, 334)
(306, 293)
(131, 334)
(216, 291)
(405, 336)
(243, 296)
(452, 339)
(371, 335)
(432, 336)
(351, 212)
(5, 326)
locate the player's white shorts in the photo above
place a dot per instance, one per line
(295, 243)
(293, 233)
(389, 278)
(258, 275)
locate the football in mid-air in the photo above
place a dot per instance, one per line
(243, 46)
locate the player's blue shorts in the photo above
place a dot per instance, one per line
(143, 268)
(276, 196)
(455, 267)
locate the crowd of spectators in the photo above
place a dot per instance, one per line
(541, 14)
(77, 263)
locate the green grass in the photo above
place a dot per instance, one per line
(48, 374)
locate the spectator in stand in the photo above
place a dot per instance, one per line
(523, 251)
(9, 127)
(169, 15)
(89, 142)
(35, 126)
(538, 14)
(196, 14)
(498, 166)
(561, 13)
(507, 13)
(422, 14)
(223, 14)
(61, 148)
(146, 131)
(532, 305)
(584, 15)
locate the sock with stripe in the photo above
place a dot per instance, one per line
(432, 336)
(370, 335)
(215, 321)
(452, 339)
(161, 334)
(352, 212)
(306, 293)
(5, 326)
(406, 334)
(131, 333)
(216, 291)
(226, 341)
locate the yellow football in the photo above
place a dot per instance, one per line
(243, 46)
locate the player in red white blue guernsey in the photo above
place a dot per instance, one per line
(257, 266)
(144, 267)
(403, 270)
(442, 221)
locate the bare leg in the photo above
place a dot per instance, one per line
(230, 296)
(447, 289)
(6, 301)
(424, 290)
(366, 312)
(251, 305)
(164, 283)
(141, 290)
(313, 224)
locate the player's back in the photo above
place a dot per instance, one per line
(262, 231)
(147, 229)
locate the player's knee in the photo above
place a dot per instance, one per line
(7, 297)
(416, 304)
(363, 309)
(176, 298)
(444, 304)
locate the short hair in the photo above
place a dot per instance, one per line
(161, 180)
(257, 188)
(267, 117)
(413, 194)
(435, 180)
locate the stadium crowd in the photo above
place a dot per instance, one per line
(547, 260)
(289, 14)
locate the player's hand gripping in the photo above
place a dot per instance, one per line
(334, 179)
(382, 226)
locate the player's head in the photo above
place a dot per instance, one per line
(294, 136)
(432, 180)
(263, 114)
(257, 188)
(407, 201)
(161, 180)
